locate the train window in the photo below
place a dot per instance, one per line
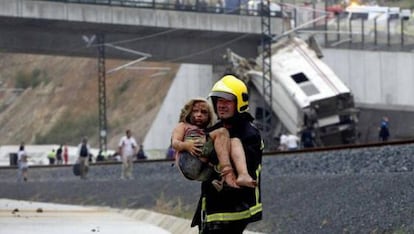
(299, 78)
(304, 83)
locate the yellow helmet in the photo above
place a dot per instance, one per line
(231, 88)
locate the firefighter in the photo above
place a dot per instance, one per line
(230, 210)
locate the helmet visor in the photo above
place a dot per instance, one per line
(227, 96)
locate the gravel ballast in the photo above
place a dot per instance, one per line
(367, 190)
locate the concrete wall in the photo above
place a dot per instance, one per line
(191, 81)
(376, 78)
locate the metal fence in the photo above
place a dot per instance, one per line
(365, 28)
(389, 33)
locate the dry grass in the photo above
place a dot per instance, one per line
(64, 107)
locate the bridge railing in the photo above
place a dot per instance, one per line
(392, 33)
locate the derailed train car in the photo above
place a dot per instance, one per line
(306, 93)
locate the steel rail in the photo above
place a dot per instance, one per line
(267, 154)
(341, 147)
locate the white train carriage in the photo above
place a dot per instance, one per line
(305, 92)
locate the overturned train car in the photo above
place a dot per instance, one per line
(306, 93)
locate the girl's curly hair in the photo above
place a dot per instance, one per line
(185, 115)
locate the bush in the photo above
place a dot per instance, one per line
(34, 79)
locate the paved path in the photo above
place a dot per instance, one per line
(35, 217)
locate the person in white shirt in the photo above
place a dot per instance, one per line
(127, 149)
(292, 142)
(283, 142)
(22, 163)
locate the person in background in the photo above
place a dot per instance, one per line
(59, 155)
(141, 153)
(65, 154)
(292, 142)
(282, 142)
(90, 157)
(170, 154)
(52, 157)
(22, 163)
(83, 157)
(127, 148)
(307, 138)
(100, 157)
(384, 131)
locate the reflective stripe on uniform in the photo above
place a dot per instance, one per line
(232, 216)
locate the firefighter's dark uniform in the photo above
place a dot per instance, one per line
(230, 210)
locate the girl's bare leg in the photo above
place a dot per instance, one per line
(239, 159)
(222, 145)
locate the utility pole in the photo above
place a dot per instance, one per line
(100, 41)
(102, 93)
(267, 128)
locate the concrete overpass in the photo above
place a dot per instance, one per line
(57, 28)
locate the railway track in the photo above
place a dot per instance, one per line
(341, 147)
(266, 153)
